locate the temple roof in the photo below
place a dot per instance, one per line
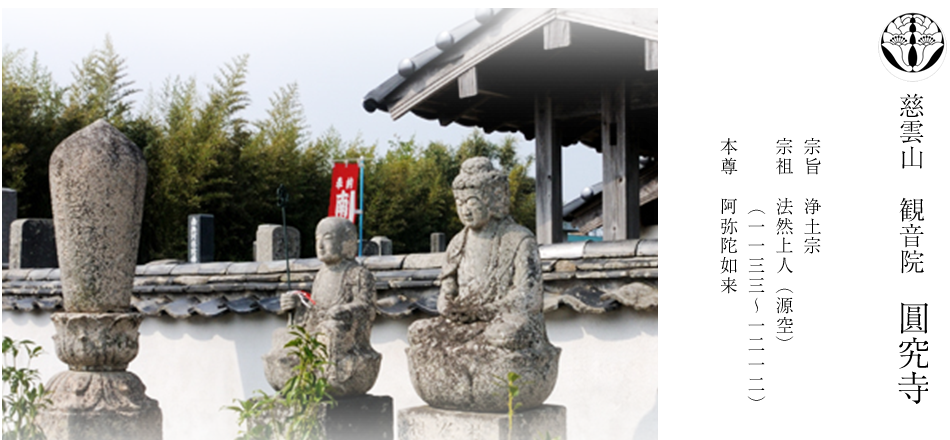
(488, 72)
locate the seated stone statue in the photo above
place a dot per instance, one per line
(490, 302)
(341, 315)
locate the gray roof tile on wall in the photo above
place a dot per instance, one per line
(155, 269)
(611, 249)
(649, 248)
(186, 269)
(243, 268)
(181, 308)
(219, 268)
(212, 289)
(211, 307)
(244, 305)
(384, 262)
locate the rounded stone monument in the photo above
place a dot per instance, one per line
(97, 183)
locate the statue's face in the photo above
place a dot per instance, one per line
(472, 209)
(330, 245)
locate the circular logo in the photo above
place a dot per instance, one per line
(912, 47)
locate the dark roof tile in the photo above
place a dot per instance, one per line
(50, 302)
(26, 303)
(151, 306)
(270, 304)
(398, 309)
(428, 303)
(212, 307)
(181, 308)
(8, 302)
(244, 305)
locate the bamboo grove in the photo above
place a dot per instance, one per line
(204, 157)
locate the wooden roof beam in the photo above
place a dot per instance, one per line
(468, 84)
(557, 34)
(462, 111)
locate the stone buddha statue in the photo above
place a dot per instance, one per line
(490, 302)
(340, 313)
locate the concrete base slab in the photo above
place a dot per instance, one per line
(360, 418)
(365, 417)
(427, 423)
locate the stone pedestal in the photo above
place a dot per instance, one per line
(97, 399)
(100, 406)
(363, 417)
(427, 423)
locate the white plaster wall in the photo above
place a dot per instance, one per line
(193, 367)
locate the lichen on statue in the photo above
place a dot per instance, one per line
(490, 302)
(341, 315)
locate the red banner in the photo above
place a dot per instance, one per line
(344, 195)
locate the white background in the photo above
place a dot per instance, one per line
(758, 75)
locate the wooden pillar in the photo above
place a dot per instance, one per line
(621, 166)
(549, 206)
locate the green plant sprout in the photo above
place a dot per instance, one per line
(294, 412)
(513, 391)
(23, 392)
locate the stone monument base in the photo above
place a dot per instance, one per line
(364, 417)
(100, 406)
(427, 423)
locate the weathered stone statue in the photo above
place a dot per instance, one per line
(341, 315)
(490, 303)
(97, 182)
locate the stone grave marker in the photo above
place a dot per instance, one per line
(9, 215)
(32, 243)
(97, 184)
(269, 243)
(384, 244)
(437, 242)
(200, 238)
